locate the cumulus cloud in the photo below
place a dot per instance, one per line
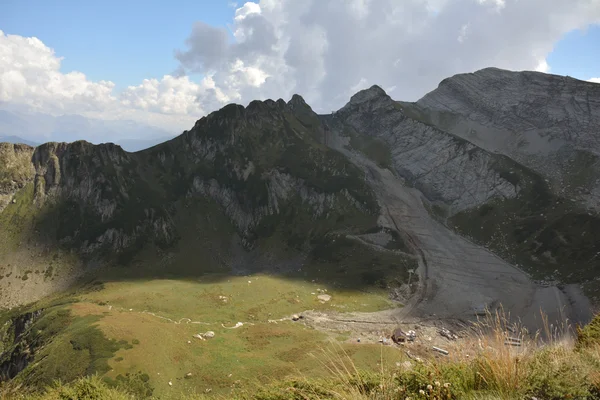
(543, 66)
(324, 50)
(29, 74)
(594, 80)
(30, 77)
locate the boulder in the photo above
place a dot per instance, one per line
(324, 298)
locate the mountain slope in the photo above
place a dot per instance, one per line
(548, 123)
(454, 180)
(504, 204)
(259, 170)
(263, 222)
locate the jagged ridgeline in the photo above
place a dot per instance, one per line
(244, 185)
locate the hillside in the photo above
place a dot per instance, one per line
(258, 170)
(544, 129)
(376, 216)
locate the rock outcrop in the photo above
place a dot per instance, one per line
(15, 170)
(444, 167)
(548, 123)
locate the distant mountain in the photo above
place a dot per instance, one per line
(133, 145)
(37, 127)
(16, 140)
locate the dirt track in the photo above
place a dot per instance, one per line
(456, 274)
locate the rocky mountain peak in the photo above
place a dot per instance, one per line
(371, 94)
(509, 87)
(369, 100)
(297, 103)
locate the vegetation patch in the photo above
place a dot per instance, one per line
(61, 346)
(350, 264)
(589, 335)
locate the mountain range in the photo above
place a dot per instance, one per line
(34, 128)
(482, 194)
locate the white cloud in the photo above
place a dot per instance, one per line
(247, 9)
(30, 77)
(543, 67)
(499, 4)
(321, 49)
(594, 80)
(462, 34)
(29, 74)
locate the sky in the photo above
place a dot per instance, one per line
(166, 64)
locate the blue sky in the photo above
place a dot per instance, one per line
(129, 40)
(577, 54)
(123, 41)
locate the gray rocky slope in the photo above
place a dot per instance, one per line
(442, 166)
(502, 195)
(546, 122)
(458, 276)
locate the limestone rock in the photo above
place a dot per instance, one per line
(324, 298)
(440, 165)
(548, 123)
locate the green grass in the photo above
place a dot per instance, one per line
(65, 347)
(88, 337)
(217, 299)
(494, 371)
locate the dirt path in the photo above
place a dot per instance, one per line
(457, 276)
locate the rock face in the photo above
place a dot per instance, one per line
(15, 354)
(99, 196)
(15, 170)
(264, 158)
(256, 163)
(507, 159)
(546, 122)
(442, 166)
